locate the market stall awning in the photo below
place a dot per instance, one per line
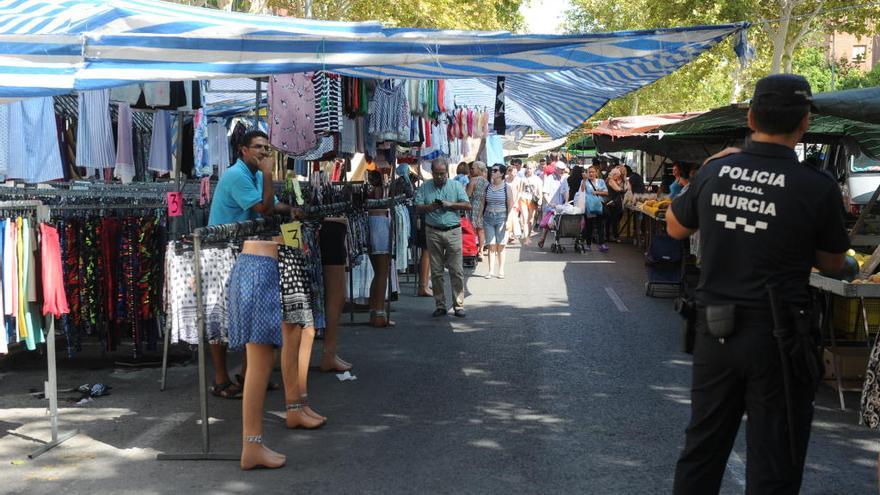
(55, 47)
(617, 127)
(699, 137)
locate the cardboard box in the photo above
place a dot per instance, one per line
(853, 362)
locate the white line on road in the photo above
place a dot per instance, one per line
(616, 300)
(149, 438)
(737, 468)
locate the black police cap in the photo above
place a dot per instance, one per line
(783, 90)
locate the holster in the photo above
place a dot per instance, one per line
(799, 340)
(721, 320)
(687, 309)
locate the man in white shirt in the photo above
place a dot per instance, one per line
(552, 183)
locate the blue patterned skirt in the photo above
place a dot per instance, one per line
(254, 302)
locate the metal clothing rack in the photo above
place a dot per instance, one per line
(214, 233)
(50, 387)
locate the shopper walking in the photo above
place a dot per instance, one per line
(614, 210)
(442, 200)
(549, 191)
(515, 183)
(499, 204)
(594, 218)
(476, 191)
(529, 199)
(754, 348)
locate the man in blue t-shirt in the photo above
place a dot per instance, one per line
(245, 192)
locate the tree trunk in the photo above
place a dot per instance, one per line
(780, 34)
(260, 7)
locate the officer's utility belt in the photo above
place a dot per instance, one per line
(722, 320)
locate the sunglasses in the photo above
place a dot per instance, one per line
(496, 170)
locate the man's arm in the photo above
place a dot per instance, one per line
(461, 202)
(294, 212)
(266, 206)
(829, 262)
(675, 229)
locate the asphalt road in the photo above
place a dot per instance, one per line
(564, 378)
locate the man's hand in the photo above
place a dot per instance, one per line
(447, 204)
(266, 165)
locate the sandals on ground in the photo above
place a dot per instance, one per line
(376, 315)
(227, 390)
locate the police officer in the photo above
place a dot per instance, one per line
(764, 221)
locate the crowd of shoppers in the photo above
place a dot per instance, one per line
(506, 204)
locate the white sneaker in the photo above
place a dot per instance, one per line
(489, 275)
(500, 275)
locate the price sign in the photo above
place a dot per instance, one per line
(291, 233)
(175, 204)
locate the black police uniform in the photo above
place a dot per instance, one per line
(761, 217)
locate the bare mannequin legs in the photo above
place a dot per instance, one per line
(253, 452)
(334, 302)
(378, 289)
(295, 355)
(425, 274)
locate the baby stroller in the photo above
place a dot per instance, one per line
(469, 243)
(567, 227)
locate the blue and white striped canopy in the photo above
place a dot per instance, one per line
(50, 47)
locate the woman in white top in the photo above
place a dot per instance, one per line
(499, 202)
(516, 185)
(528, 200)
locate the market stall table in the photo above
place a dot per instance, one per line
(830, 287)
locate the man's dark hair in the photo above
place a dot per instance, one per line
(773, 118)
(248, 137)
(629, 170)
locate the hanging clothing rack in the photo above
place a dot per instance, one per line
(211, 234)
(50, 386)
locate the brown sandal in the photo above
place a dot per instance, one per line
(227, 390)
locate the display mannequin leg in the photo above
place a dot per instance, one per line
(334, 302)
(378, 290)
(253, 452)
(295, 354)
(425, 273)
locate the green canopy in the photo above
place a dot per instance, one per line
(699, 137)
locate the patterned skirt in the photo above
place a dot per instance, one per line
(296, 287)
(254, 302)
(870, 410)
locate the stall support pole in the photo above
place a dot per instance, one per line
(51, 390)
(205, 454)
(257, 104)
(351, 293)
(165, 346)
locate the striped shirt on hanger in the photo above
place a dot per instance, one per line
(94, 131)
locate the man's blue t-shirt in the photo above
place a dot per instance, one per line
(237, 192)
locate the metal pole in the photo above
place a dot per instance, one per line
(200, 325)
(166, 345)
(51, 390)
(205, 454)
(257, 104)
(178, 159)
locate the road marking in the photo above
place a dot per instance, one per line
(737, 468)
(149, 438)
(616, 300)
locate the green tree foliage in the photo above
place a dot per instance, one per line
(713, 79)
(438, 14)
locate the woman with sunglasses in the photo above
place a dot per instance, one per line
(497, 207)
